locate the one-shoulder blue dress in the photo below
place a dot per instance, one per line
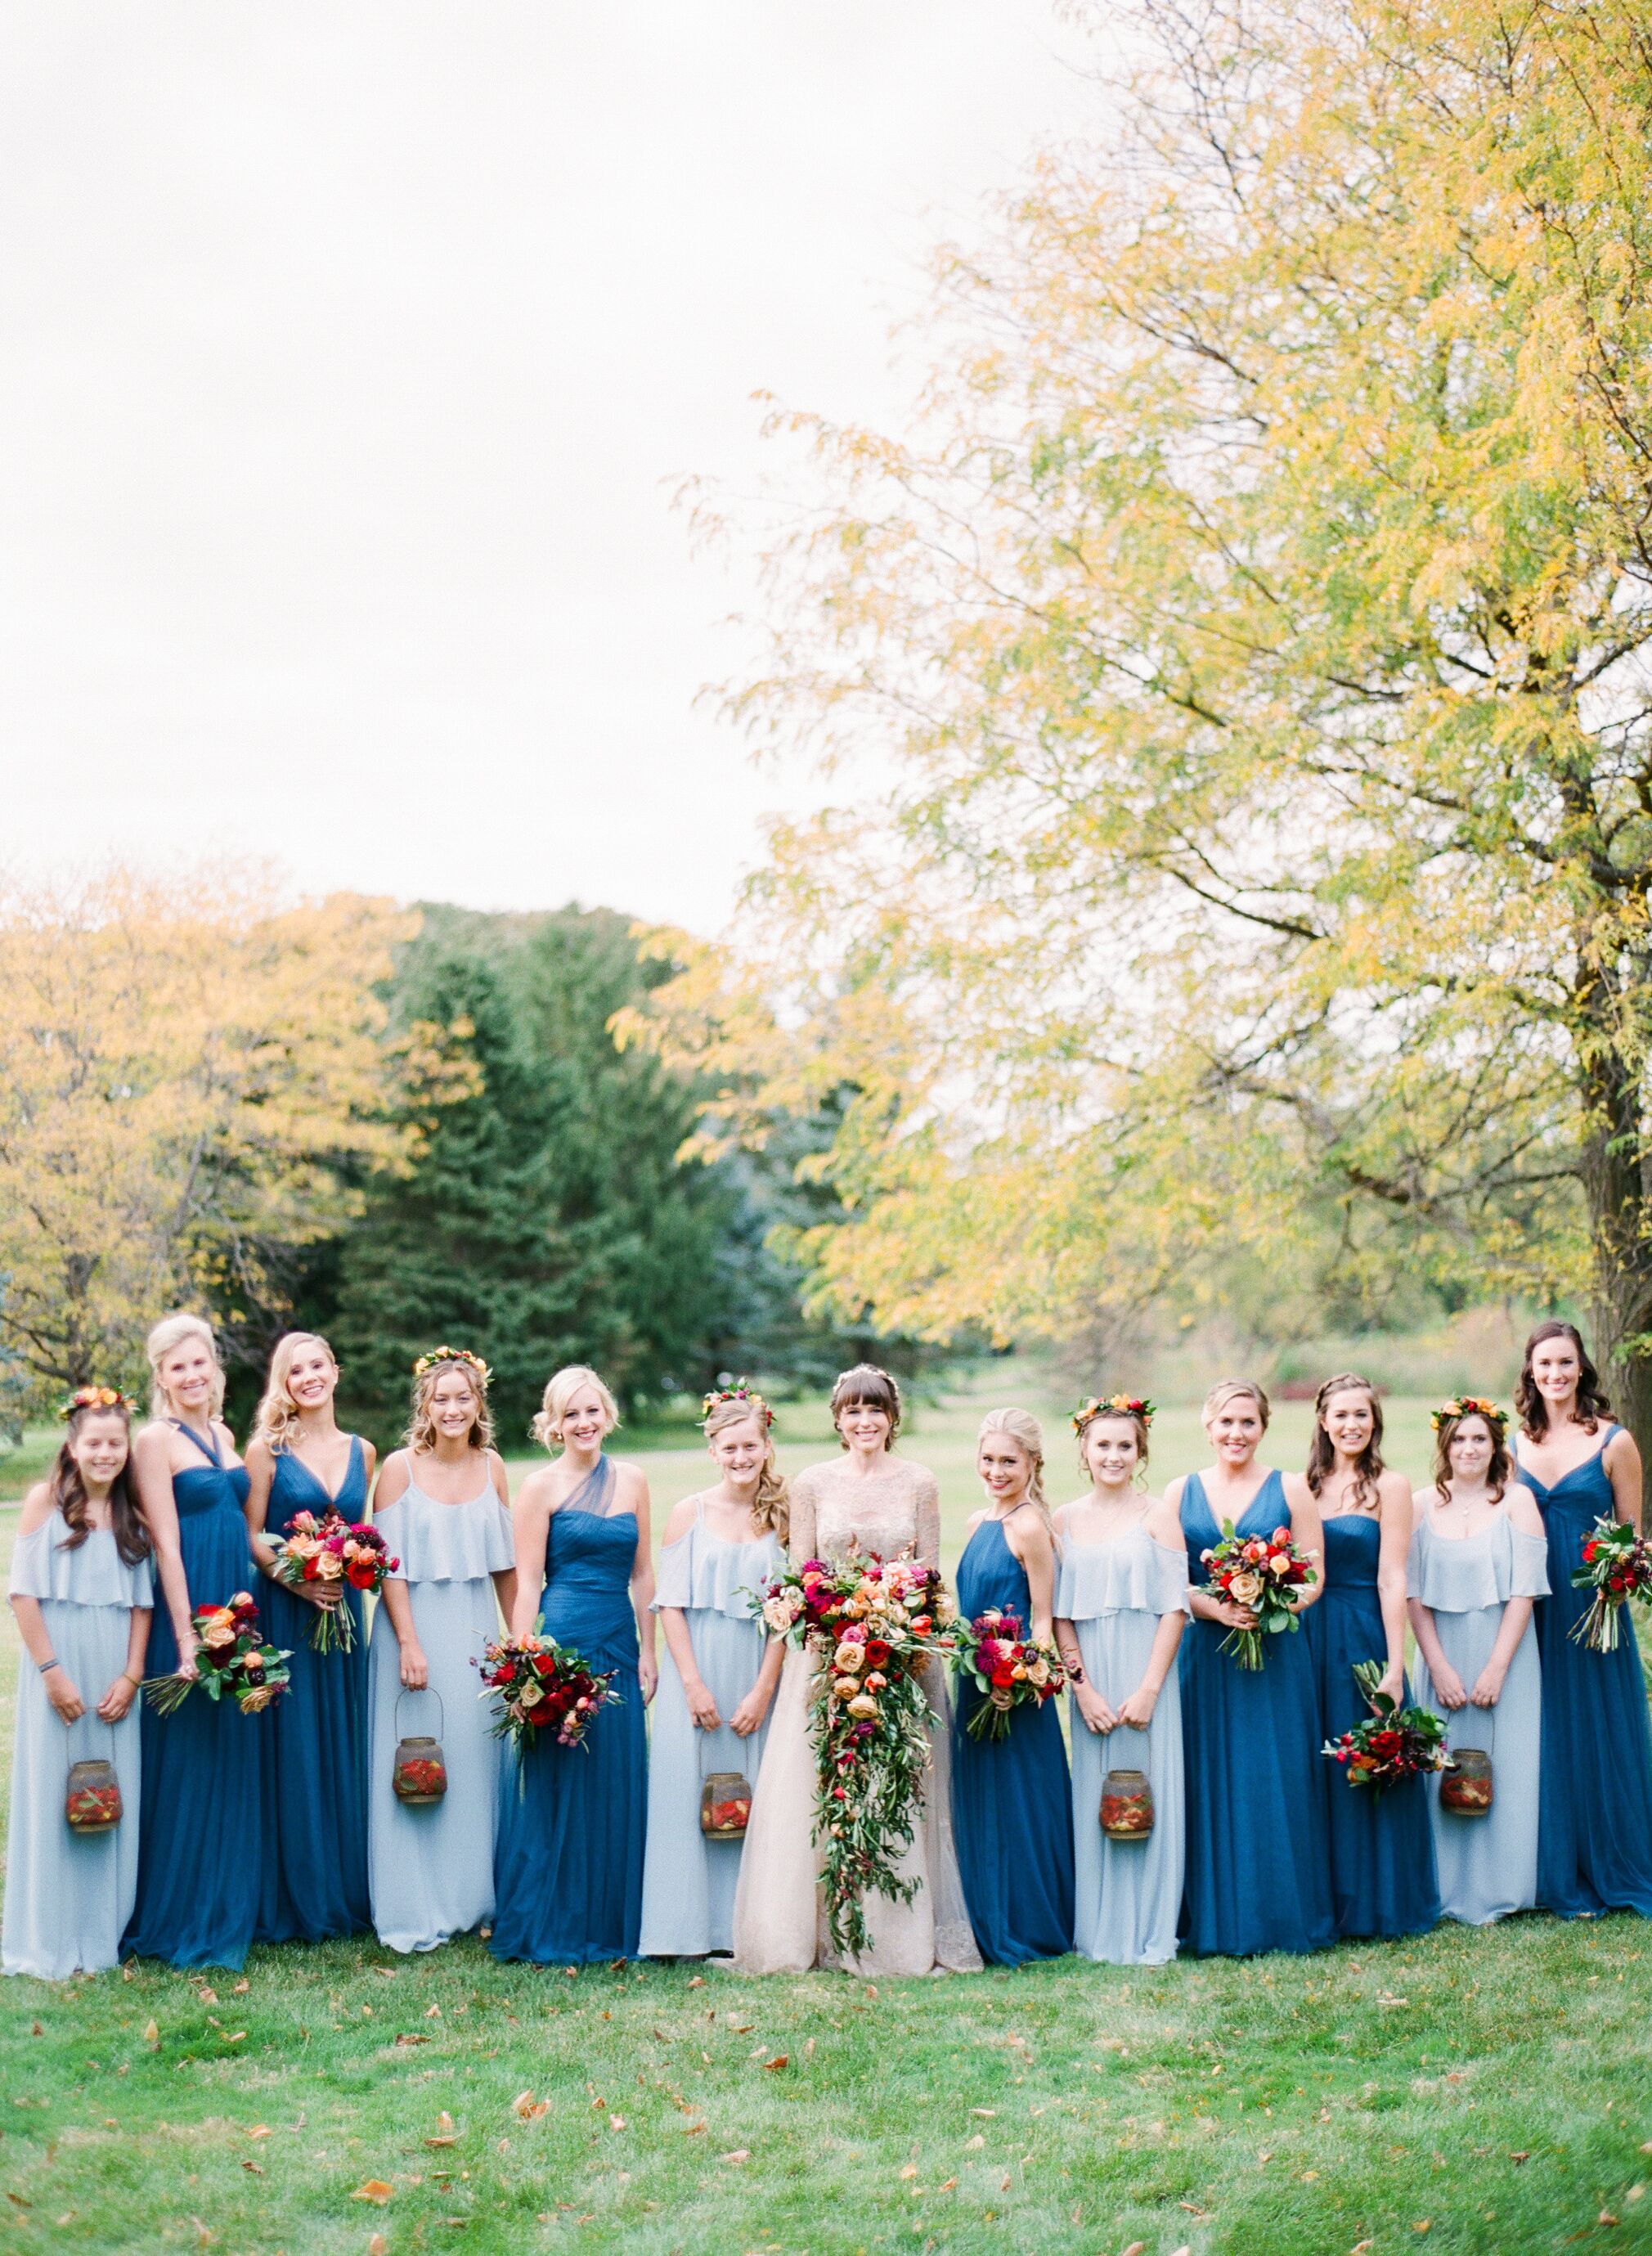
(1012, 1800)
(1258, 1845)
(200, 1825)
(1594, 1790)
(315, 1782)
(573, 1820)
(1383, 1879)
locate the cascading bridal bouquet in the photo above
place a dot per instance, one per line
(232, 1662)
(332, 1551)
(871, 1626)
(1007, 1668)
(1617, 1564)
(1263, 1573)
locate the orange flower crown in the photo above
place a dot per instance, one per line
(428, 1363)
(1124, 1405)
(1470, 1406)
(95, 1398)
(742, 1391)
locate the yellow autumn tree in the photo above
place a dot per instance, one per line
(186, 1068)
(1238, 682)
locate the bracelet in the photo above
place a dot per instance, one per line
(47, 1667)
(137, 1682)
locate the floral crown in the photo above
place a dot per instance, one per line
(742, 1391)
(95, 1398)
(1122, 1405)
(428, 1363)
(1469, 1406)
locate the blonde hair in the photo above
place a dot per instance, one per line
(771, 1506)
(421, 1427)
(559, 1390)
(278, 1412)
(1026, 1433)
(1231, 1389)
(169, 1334)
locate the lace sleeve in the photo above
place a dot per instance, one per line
(927, 1508)
(800, 1540)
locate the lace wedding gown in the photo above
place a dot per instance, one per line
(779, 1919)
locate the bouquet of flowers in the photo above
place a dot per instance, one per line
(1391, 1743)
(1009, 1669)
(872, 1624)
(332, 1551)
(232, 1660)
(1262, 1573)
(1617, 1564)
(542, 1686)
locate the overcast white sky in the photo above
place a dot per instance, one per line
(348, 356)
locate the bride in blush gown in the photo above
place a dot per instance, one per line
(888, 1505)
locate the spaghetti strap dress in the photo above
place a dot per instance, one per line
(200, 1828)
(1012, 1798)
(1594, 1796)
(315, 1784)
(1383, 1877)
(1258, 1843)
(69, 1894)
(688, 1878)
(430, 1865)
(1127, 1895)
(568, 1875)
(1487, 1863)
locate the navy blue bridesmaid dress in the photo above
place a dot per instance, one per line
(201, 1819)
(315, 1780)
(573, 1820)
(1383, 1879)
(1258, 1845)
(1594, 1779)
(1012, 1801)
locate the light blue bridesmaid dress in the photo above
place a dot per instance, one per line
(1258, 1847)
(200, 1835)
(1012, 1799)
(1594, 1825)
(430, 1865)
(315, 1784)
(1383, 1879)
(1126, 1894)
(688, 1881)
(68, 1894)
(568, 1875)
(1487, 1864)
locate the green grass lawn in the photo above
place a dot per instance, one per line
(1474, 2092)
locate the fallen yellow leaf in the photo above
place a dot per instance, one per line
(737, 2154)
(373, 2189)
(780, 2060)
(976, 2141)
(207, 1997)
(151, 2034)
(910, 2171)
(378, 2245)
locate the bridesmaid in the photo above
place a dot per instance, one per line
(1594, 1823)
(315, 1784)
(1258, 1846)
(718, 1678)
(443, 1508)
(1012, 1806)
(201, 1831)
(572, 1820)
(82, 1591)
(1479, 1558)
(1120, 1608)
(1383, 1879)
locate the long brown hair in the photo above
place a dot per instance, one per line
(1322, 1450)
(1499, 1473)
(1529, 1406)
(67, 1491)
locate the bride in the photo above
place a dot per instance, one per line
(888, 1505)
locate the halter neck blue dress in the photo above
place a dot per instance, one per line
(200, 1826)
(1383, 1879)
(315, 1783)
(1594, 1792)
(568, 1868)
(1012, 1800)
(1258, 1844)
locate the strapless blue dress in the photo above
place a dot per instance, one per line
(315, 1782)
(1258, 1847)
(1594, 1781)
(1012, 1799)
(573, 1820)
(200, 1822)
(1383, 1879)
